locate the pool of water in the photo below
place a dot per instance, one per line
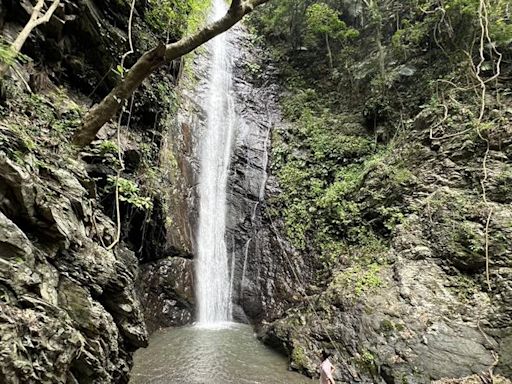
(226, 354)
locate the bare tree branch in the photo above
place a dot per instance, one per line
(151, 61)
(49, 13)
(34, 21)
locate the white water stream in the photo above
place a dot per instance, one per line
(212, 270)
(216, 351)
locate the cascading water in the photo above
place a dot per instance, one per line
(212, 352)
(212, 271)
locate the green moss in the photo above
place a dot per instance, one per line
(386, 326)
(357, 280)
(367, 357)
(399, 327)
(74, 299)
(332, 250)
(299, 357)
(367, 362)
(8, 56)
(467, 234)
(198, 14)
(164, 93)
(503, 185)
(393, 216)
(39, 105)
(24, 135)
(197, 17)
(464, 287)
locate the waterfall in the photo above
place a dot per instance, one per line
(212, 270)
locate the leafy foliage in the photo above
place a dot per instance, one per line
(359, 280)
(129, 192)
(176, 16)
(284, 20)
(322, 20)
(451, 24)
(323, 162)
(8, 56)
(342, 176)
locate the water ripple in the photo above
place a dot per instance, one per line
(229, 354)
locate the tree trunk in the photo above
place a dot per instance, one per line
(151, 61)
(329, 53)
(104, 111)
(33, 22)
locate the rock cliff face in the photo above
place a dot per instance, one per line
(419, 317)
(69, 307)
(167, 279)
(419, 308)
(422, 309)
(262, 280)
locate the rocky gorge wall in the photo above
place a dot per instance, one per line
(381, 196)
(71, 302)
(69, 311)
(262, 283)
(73, 310)
(60, 269)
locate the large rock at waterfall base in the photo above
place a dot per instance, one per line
(168, 287)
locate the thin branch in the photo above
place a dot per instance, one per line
(130, 39)
(484, 37)
(487, 274)
(33, 22)
(118, 176)
(48, 14)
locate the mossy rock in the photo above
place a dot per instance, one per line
(458, 230)
(77, 303)
(300, 358)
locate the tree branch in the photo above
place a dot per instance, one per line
(48, 14)
(151, 61)
(32, 23)
(106, 109)
(236, 12)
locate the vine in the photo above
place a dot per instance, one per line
(121, 167)
(476, 72)
(484, 37)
